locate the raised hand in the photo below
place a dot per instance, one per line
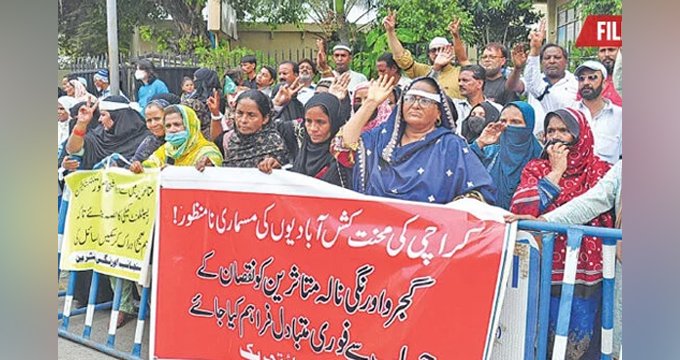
(454, 28)
(390, 21)
(380, 89)
(339, 85)
(491, 133)
(321, 61)
(85, 113)
(444, 57)
(268, 164)
(286, 92)
(519, 56)
(213, 103)
(536, 38)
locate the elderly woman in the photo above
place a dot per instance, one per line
(184, 142)
(121, 131)
(567, 169)
(480, 116)
(323, 119)
(254, 137)
(414, 155)
(505, 147)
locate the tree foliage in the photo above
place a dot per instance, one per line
(82, 25)
(503, 21)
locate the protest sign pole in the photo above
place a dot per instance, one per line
(112, 32)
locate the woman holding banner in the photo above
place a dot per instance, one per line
(322, 121)
(184, 142)
(414, 155)
(254, 136)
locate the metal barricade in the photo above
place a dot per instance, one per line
(575, 234)
(92, 306)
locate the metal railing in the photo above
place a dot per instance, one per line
(575, 234)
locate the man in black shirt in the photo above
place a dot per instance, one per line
(493, 60)
(249, 68)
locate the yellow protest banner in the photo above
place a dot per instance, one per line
(109, 224)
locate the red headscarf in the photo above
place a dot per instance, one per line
(584, 170)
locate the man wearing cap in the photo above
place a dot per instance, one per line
(446, 75)
(101, 82)
(552, 89)
(342, 55)
(607, 56)
(605, 117)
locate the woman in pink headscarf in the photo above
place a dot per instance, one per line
(380, 115)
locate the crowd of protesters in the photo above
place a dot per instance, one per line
(431, 132)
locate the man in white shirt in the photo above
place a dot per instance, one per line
(471, 84)
(552, 89)
(605, 118)
(307, 73)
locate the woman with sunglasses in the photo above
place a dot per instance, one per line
(414, 155)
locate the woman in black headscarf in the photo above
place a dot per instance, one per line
(205, 82)
(480, 116)
(121, 130)
(323, 119)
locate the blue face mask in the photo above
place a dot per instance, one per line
(177, 139)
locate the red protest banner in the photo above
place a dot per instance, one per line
(600, 30)
(246, 275)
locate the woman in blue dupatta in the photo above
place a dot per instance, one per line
(506, 146)
(414, 155)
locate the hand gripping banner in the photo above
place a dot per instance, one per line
(284, 266)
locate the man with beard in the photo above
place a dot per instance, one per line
(443, 71)
(494, 58)
(342, 56)
(605, 117)
(307, 73)
(607, 56)
(471, 85)
(549, 90)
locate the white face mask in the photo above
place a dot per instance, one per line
(139, 74)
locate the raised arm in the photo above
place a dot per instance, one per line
(458, 45)
(76, 140)
(390, 23)
(378, 92)
(519, 60)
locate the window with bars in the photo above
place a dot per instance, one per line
(568, 24)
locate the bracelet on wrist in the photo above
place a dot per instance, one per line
(77, 132)
(216, 117)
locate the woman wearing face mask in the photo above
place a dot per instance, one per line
(480, 116)
(321, 123)
(254, 136)
(151, 84)
(568, 168)
(505, 147)
(184, 142)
